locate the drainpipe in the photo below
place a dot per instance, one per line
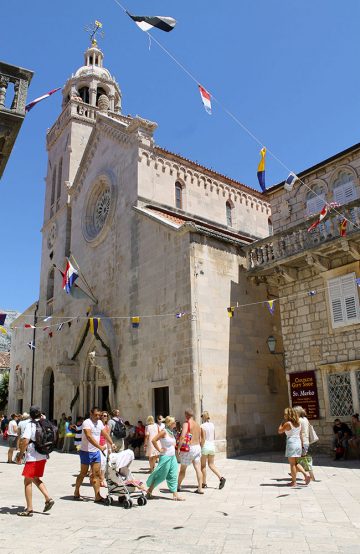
(33, 355)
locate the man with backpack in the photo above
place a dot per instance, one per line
(38, 440)
(117, 430)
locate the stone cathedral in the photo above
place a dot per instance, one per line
(154, 234)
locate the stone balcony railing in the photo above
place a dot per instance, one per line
(298, 239)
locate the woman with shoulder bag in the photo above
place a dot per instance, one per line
(292, 428)
(306, 458)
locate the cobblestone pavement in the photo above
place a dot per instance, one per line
(255, 513)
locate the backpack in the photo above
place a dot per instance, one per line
(45, 436)
(119, 431)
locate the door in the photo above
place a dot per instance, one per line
(103, 398)
(161, 401)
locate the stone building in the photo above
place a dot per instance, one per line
(155, 235)
(14, 83)
(314, 274)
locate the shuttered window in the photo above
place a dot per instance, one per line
(344, 300)
(344, 189)
(315, 204)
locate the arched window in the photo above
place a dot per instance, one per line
(344, 188)
(59, 179)
(229, 214)
(53, 187)
(50, 285)
(315, 201)
(84, 94)
(270, 226)
(178, 195)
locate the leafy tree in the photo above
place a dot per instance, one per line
(4, 389)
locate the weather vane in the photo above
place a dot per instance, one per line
(95, 29)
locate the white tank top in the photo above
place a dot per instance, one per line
(168, 442)
(209, 431)
(293, 431)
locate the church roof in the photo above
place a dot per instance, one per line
(177, 221)
(210, 172)
(4, 360)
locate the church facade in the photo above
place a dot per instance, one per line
(160, 238)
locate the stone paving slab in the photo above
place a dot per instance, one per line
(255, 513)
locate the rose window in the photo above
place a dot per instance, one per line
(102, 208)
(98, 209)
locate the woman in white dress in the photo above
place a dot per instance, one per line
(208, 450)
(151, 430)
(292, 428)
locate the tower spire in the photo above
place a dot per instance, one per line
(94, 30)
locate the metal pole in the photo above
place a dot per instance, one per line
(33, 355)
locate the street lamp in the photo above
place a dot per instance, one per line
(271, 342)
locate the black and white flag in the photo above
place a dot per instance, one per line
(31, 345)
(145, 23)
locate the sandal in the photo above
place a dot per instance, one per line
(100, 501)
(78, 498)
(179, 499)
(48, 505)
(198, 492)
(25, 513)
(204, 486)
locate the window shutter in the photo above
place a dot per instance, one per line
(344, 300)
(337, 314)
(315, 204)
(345, 192)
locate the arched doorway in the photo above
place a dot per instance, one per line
(47, 403)
(97, 387)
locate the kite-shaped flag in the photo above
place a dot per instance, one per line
(60, 326)
(343, 225)
(311, 292)
(135, 322)
(206, 98)
(271, 305)
(321, 216)
(94, 324)
(50, 334)
(47, 318)
(3, 330)
(261, 169)
(29, 106)
(2, 318)
(31, 345)
(179, 315)
(290, 181)
(29, 326)
(69, 277)
(230, 311)
(145, 22)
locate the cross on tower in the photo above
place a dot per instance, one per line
(93, 30)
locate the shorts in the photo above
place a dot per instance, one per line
(34, 469)
(208, 449)
(193, 456)
(12, 441)
(89, 458)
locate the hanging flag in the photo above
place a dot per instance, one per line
(135, 322)
(179, 314)
(47, 318)
(29, 106)
(46, 328)
(59, 327)
(94, 324)
(261, 169)
(206, 99)
(29, 326)
(343, 225)
(311, 292)
(321, 216)
(3, 330)
(230, 311)
(357, 281)
(271, 305)
(2, 318)
(290, 181)
(145, 22)
(31, 345)
(69, 277)
(50, 334)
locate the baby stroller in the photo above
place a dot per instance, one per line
(120, 481)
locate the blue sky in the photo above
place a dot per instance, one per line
(286, 69)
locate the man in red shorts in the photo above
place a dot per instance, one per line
(34, 464)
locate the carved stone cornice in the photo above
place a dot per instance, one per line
(321, 263)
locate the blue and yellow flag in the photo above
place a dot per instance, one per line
(135, 322)
(261, 169)
(94, 324)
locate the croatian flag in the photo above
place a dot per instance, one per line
(206, 98)
(29, 106)
(69, 277)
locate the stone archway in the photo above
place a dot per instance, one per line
(97, 389)
(47, 399)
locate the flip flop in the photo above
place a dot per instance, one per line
(100, 501)
(198, 492)
(25, 514)
(78, 498)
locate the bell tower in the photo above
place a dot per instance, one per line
(89, 90)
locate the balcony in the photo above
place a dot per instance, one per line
(297, 247)
(14, 82)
